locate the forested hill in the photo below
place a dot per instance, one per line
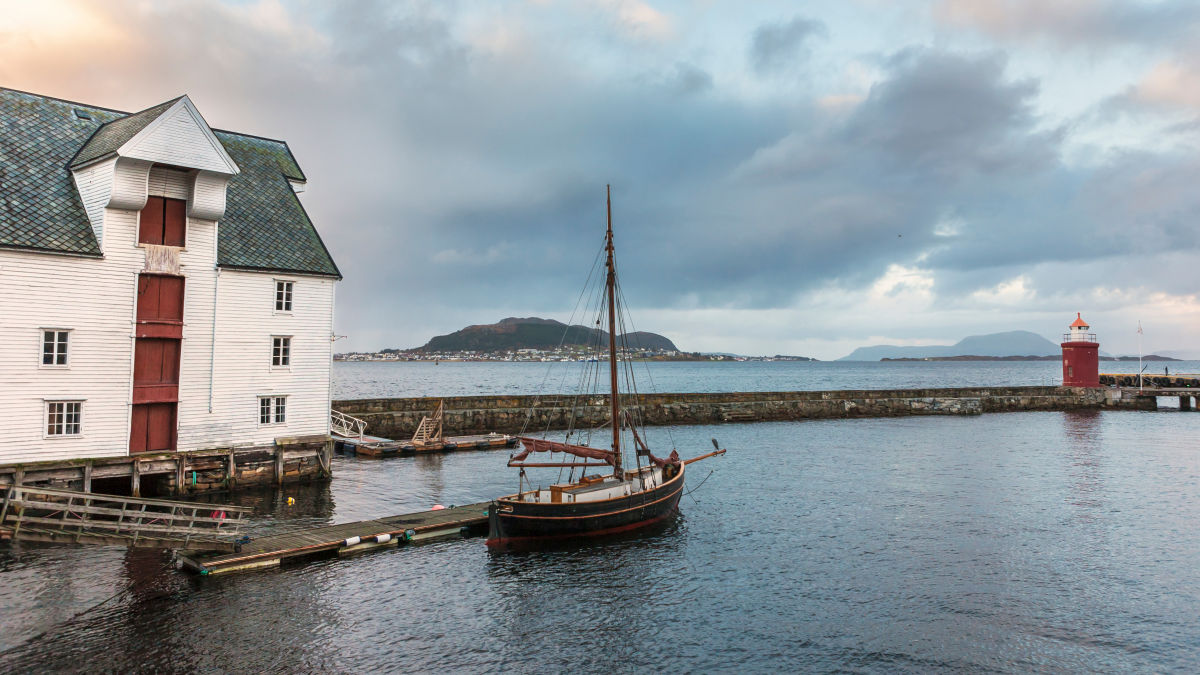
(534, 333)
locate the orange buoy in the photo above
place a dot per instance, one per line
(437, 507)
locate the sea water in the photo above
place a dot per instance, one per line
(1044, 541)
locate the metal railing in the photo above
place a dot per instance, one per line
(50, 514)
(344, 425)
(1082, 337)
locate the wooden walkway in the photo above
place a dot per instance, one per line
(344, 539)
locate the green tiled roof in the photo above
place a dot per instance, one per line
(118, 132)
(40, 208)
(265, 227)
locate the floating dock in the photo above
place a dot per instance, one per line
(345, 539)
(376, 446)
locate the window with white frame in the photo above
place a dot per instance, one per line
(54, 347)
(64, 418)
(283, 296)
(272, 409)
(281, 351)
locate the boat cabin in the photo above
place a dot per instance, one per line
(597, 488)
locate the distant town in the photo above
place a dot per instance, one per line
(566, 353)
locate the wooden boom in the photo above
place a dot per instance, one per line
(704, 456)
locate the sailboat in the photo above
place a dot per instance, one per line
(623, 500)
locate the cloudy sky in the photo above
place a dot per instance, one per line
(797, 178)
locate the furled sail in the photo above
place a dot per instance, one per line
(541, 445)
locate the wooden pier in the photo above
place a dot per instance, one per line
(345, 539)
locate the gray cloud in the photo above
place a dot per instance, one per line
(775, 46)
(457, 183)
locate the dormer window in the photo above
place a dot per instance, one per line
(163, 222)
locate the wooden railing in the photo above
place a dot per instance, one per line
(49, 514)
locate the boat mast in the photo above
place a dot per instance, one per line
(612, 339)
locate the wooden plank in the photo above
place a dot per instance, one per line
(331, 538)
(108, 511)
(134, 528)
(165, 503)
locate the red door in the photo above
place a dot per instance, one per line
(155, 370)
(156, 363)
(153, 428)
(163, 221)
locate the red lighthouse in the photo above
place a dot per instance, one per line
(1080, 356)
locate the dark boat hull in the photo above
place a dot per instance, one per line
(512, 522)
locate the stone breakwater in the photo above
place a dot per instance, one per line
(398, 417)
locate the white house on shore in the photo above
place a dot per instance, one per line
(161, 285)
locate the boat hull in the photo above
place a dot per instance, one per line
(512, 522)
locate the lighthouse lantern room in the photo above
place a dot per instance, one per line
(1080, 356)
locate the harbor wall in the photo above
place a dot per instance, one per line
(398, 418)
(174, 474)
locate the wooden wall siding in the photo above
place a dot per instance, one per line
(177, 138)
(246, 320)
(169, 183)
(94, 298)
(95, 187)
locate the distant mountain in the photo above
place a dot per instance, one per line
(1182, 354)
(534, 333)
(1012, 343)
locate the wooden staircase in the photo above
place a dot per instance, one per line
(430, 428)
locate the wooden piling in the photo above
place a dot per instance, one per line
(180, 474)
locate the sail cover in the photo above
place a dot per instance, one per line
(541, 445)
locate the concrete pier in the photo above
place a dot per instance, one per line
(399, 417)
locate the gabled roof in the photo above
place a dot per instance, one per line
(265, 227)
(1079, 322)
(118, 132)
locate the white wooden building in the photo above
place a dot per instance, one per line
(161, 286)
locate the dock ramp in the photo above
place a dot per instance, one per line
(67, 516)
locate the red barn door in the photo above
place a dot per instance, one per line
(156, 363)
